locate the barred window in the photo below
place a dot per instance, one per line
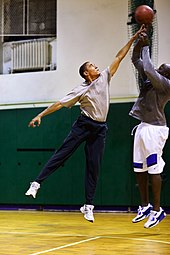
(30, 26)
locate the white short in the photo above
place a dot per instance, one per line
(149, 142)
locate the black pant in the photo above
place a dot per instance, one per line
(91, 132)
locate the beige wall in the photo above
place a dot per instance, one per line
(87, 30)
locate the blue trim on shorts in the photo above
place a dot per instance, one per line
(137, 165)
(151, 160)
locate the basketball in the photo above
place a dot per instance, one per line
(144, 14)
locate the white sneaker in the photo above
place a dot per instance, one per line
(32, 191)
(154, 218)
(143, 212)
(87, 210)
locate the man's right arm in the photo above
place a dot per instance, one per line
(54, 107)
(158, 81)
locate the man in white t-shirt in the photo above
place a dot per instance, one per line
(90, 127)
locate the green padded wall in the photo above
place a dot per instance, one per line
(24, 151)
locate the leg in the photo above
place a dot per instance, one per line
(154, 140)
(156, 182)
(141, 171)
(77, 135)
(157, 214)
(94, 149)
(71, 143)
(142, 180)
(145, 209)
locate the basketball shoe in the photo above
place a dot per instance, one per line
(87, 210)
(143, 212)
(154, 218)
(32, 191)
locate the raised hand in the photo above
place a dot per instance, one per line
(144, 40)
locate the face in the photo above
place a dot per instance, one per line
(92, 71)
(164, 70)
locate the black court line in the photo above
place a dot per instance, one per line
(34, 149)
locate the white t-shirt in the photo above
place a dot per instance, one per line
(94, 98)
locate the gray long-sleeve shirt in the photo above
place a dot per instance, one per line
(154, 92)
(93, 98)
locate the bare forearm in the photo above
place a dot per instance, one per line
(52, 108)
(36, 121)
(122, 53)
(119, 56)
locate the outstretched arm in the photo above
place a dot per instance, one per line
(136, 57)
(54, 107)
(122, 53)
(158, 81)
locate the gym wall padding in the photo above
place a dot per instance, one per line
(25, 150)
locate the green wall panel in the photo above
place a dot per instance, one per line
(24, 151)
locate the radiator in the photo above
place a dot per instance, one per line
(29, 55)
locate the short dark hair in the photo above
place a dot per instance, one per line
(82, 69)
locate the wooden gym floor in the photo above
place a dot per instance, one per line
(68, 233)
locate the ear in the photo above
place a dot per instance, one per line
(86, 73)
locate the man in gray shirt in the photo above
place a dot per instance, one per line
(152, 133)
(90, 127)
